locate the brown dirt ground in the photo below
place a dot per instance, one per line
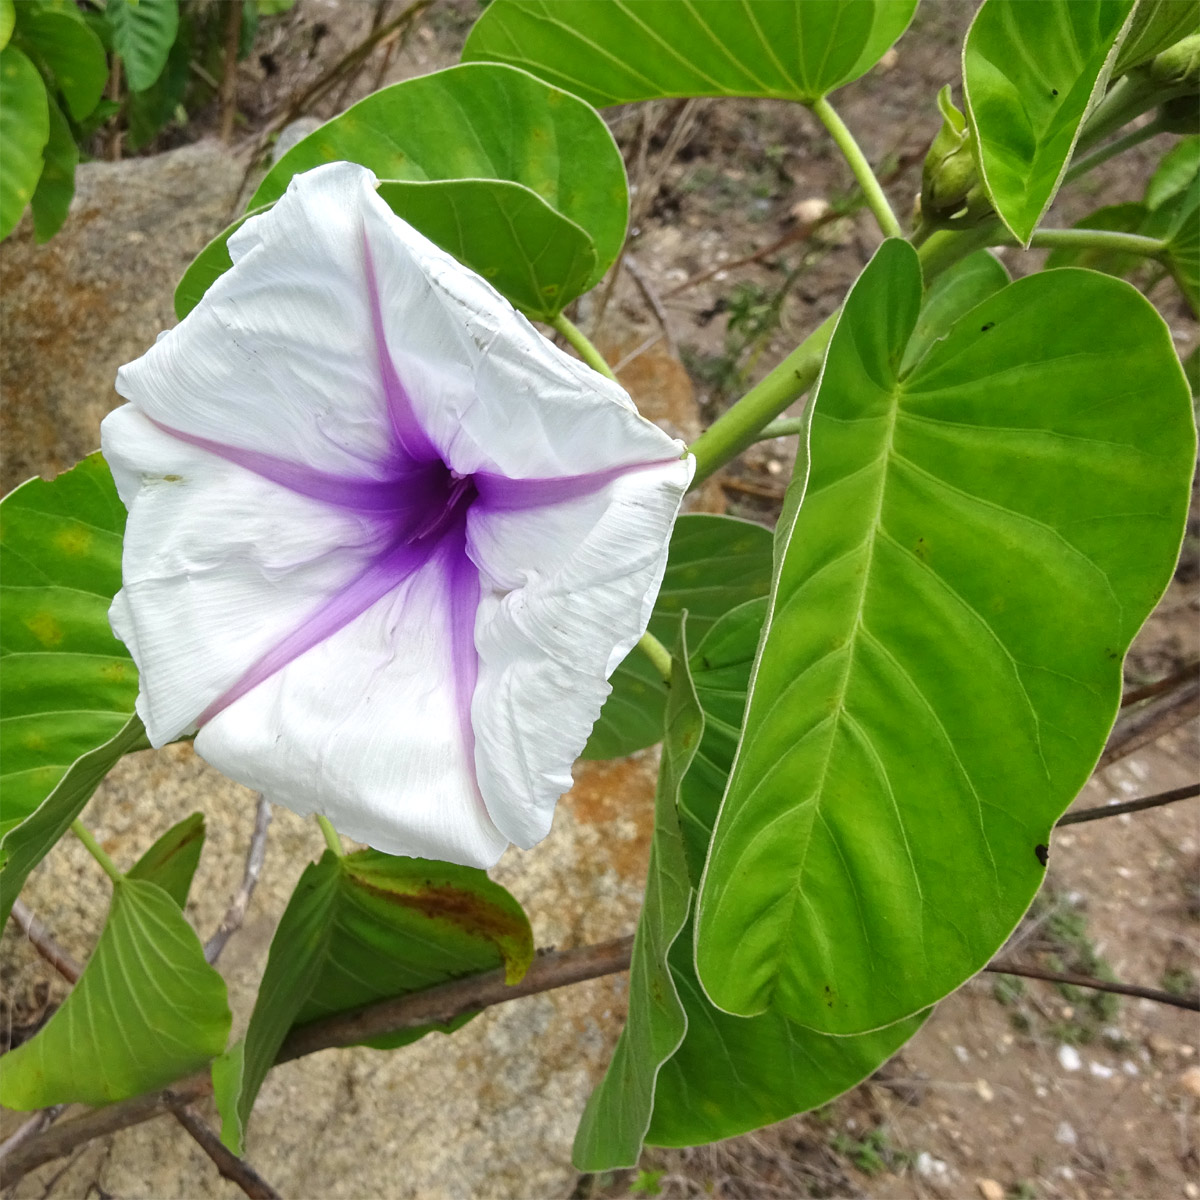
(1006, 1092)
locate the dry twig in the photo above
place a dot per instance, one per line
(1160, 716)
(228, 91)
(236, 912)
(41, 940)
(235, 1169)
(1004, 967)
(1131, 806)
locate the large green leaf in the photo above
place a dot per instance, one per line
(683, 1072)
(8, 18)
(52, 197)
(24, 130)
(146, 1010)
(172, 861)
(27, 843)
(979, 542)
(714, 564)
(142, 34)
(1031, 73)
(66, 683)
(953, 292)
(359, 929)
(75, 55)
(614, 1123)
(1157, 24)
(614, 51)
(483, 122)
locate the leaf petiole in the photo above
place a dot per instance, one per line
(585, 349)
(94, 848)
(657, 653)
(332, 838)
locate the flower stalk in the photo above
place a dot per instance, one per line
(578, 340)
(876, 200)
(94, 848)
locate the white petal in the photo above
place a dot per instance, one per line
(490, 390)
(568, 591)
(280, 356)
(364, 728)
(218, 565)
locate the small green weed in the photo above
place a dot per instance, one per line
(874, 1154)
(647, 1183)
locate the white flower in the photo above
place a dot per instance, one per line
(386, 543)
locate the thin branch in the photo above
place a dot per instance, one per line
(236, 1170)
(651, 297)
(438, 1005)
(1130, 806)
(1148, 724)
(41, 940)
(1004, 967)
(352, 76)
(236, 912)
(36, 1123)
(1149, 690)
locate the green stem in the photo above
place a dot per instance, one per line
(1129, 97)
(942, 249)
(332, 840)
(1097, 239)
(93, 848)
(876, 200)
(741, 426)
(1134, 137)
(586, 350)
(781, 427)
(657, 653)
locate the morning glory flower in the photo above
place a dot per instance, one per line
(386, 543)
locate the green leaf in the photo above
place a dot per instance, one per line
(1183, 242)
(146, 1010)
(614, 1123)
(71, 50)
(714, 564)
(966, 284)
(52, 198)
(27, 843)
(1157, 24)
(363, 928)
(479, 123)
(66, 684)
(172, 861)
(507, 233)
(8, 18)
(613, 52)
(727, 1075)
(979, 542)
(24, 130)
(142, 34)
(1179, 166)
(1031, 73)
(148, 112)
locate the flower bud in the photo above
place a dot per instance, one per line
(950, 187)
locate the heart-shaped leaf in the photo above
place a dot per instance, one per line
(359, 929)
(24, 130)
(143, 32)
(979, 542)
(146, 1010)
(483, 123)
(1179, 166)
(611, 52)
(683, 1072)
(1031, 73)
(73, 53)
(67, 686)
(714, 564)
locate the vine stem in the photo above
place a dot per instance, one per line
(1134, 137)
(657, 653)
(1097, 239)
(876, 200)
(741, 426)
(94, 848)
(586, 350)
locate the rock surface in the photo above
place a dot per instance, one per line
(489, 1112)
